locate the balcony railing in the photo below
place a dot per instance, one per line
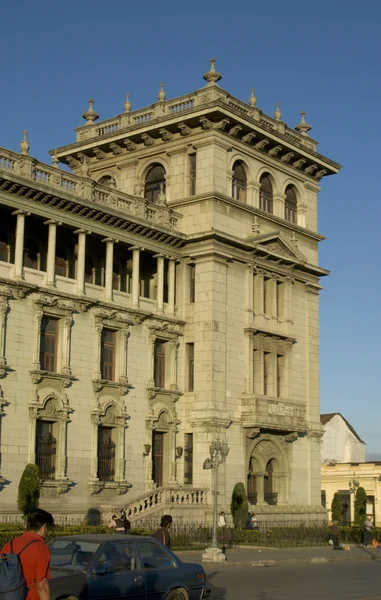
(252, 497)
(272, 498)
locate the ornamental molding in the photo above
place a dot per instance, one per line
(173, 393)
(120, 487)
(37, 376)
(281, 410)
(122, 386)
(120, 318)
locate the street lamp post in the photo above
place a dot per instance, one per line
(218, 452)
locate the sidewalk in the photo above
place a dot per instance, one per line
(246, 556)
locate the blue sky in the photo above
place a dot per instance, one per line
(319, 57)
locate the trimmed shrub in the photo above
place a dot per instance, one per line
(29, 490)
(336, 507)
(239, 505)
(360, 506)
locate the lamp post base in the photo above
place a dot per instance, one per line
(213, 555)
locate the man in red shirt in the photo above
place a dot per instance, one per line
(35, 560)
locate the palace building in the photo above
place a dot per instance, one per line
(160, 294)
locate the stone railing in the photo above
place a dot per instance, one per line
(165, 497)
(86, 188)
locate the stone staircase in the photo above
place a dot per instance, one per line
(188, 503)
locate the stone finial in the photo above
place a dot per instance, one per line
(277, 114)
(161, 198)
(24, 145)
(303, 127)
(161, 95)
(90, 115)
(212, 76)
(252, 99)
(127, 104)
(55, 160)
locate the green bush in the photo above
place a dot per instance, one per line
(360, 506)
(239, 505)
(29, 490)
(336, 507)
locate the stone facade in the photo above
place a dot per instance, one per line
(161, 295)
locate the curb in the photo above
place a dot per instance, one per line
(289, 561)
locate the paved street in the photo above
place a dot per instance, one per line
(329, 581)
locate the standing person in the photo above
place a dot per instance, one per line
(117, 523)
(221, 520)
(335, 535)
(162, 534)
(249, 522)
(126, 524)
(34, 554)
(254, 521)
(368, 525)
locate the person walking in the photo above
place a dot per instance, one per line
(117, 523)
(222, 520)
(162, 534)
(34, 554)
(368, 526)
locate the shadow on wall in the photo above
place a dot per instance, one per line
(94, 516)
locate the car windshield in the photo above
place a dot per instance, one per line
(72, 554)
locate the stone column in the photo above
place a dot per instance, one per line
(19, 245)
(171, 285)
(95, 421)
(51, 258)
(109, 268)
(67, 339)
(173, 367)
(253, 193)
(99, 329)
(278, 200)
(260, 486)
(273, 298)
(36, 363)
(160, 283)
(249, 296)
(151, 350)
(249, 350)
(81, 259)
(125, 334)
(4, 306)
(135, 275)
(258, 294)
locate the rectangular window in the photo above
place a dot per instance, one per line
(266, 295)
(323, 499)
(255, 370)
(159, 364)
(279, 374)
(106, 454)
(190, 366)
(188, 458)
(192, 169)
(266, 371)
(48, 344)
(279, 300)
(108, 352)
(46, 447)
(192, 283)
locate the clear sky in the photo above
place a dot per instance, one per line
(321, 57)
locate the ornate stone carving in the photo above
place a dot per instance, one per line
(261, 145)
(206, 123)
(249, 137)
(253, 433)
(320, 174)
(286, 158)
(100, 154)
(116, 149)
(299, 163)
(221, 125)
(291, 437)
(130, 145)
(184, 129)
(275, 151)
(311, 169)
(147, 139)
(234, 131)
(204, 98)
(166, 136)
(282, 410)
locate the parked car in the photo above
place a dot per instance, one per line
(102, 567)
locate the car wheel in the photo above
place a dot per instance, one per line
(178, 594)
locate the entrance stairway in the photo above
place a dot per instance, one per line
(188, 503)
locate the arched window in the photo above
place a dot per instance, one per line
(271, 497)
(61, 263)
(4, 248)
(155, 182)
(31, 254)
(266, 194)
(89, 270)
(239, 183)
(290, 206)
(108, 180)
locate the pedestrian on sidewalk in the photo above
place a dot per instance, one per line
(367, 535)
(162, 534)
(126, 523)
(117, 524)
(335, 535)
(222, 520)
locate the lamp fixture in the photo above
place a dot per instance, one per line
(147, 449)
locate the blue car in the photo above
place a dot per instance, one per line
(105, 567)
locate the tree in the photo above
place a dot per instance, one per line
(29, 490)
(336, 507)
(360, 506)
(239, 505)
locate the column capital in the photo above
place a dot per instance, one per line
(85, 231)
(19, 211)
(52, 222)
(140, 248)
(160, 255)
(109, 239)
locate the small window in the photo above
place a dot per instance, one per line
(193, 172)
(290, 206)
(266, 372)
(159, 364)
(279, 375)
(48, 344)
(118, 557)
(188, 458)
(192, 283)
(155, 182)
(266, 295)
(153, 556)
(239, 182)
(279, 299)
(190, 366)
(266, 194)
(106, 454)
(108, 351)
(46, 449)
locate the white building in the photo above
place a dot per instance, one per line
(341, 443)
(162, 295)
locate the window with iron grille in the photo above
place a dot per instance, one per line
(46, 447)
(188, 458)
(239, 181)
(106, 454)
(193, 172)
(48, 344)
(192, 283)
(159, 364)
(290, 205)
(108, 348)
(190, 366)
(155, 182)
(266, 194)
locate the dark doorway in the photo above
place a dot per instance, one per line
(345, 498)
(157, 457)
